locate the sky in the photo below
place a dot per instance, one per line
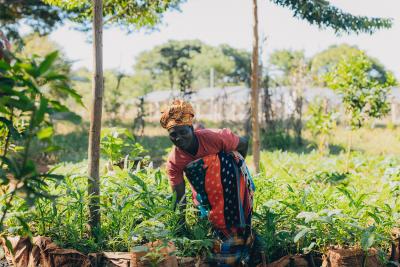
(218, 22)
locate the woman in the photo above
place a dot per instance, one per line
(221, 184)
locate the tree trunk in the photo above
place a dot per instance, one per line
(254, 93)
(95, 119)
(267, 104)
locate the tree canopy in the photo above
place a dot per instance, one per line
(41, 16)
(326, 61)
(323, 14)
(167, 65)
(131, 15)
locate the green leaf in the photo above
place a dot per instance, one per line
(43, 108)
(9, 245)
(4, 66)
(71, 92)
(301, 234)
(14, 132)
(367, 240)
(66, 116)
(307, 216)
(45, 133)
(47, 62)
(25, 226)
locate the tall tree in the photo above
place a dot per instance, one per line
(255, 125)
(132, 15)
(95, 119)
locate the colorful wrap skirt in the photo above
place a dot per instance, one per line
(223, 191)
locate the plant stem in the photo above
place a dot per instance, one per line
(364, 260)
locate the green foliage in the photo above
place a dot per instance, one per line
(323, 14)
(211, 58)
(39, 46)
(136, 203)
(176, 64)
(174, 61)
(285, 67)
(241, 72)
(113, 96)
(41, 17)
(306, 203)
(118, 143)
(132, 15)
(321, 122)
(327, 60)
(303, 203)
(26, 116)
(363, 90)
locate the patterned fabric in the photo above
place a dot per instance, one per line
(177, 114)
(211, 141)
(223, 190)
(233, 251)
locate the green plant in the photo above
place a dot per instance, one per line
(119, 143)
(26, 117)
(321, 123)
(364, 90)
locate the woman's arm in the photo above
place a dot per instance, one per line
(179, 190)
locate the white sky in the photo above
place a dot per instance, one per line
(230, 21)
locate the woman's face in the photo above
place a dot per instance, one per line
(181, 136)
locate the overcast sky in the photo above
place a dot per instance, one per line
(230, 21)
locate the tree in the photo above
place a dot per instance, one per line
(254, 92)
(283, 63)
(364, 92)
(159, 71)
(242, 58)
(40, 16)
(175, 61)
(326, 60)
(211, 67)
(132, 15)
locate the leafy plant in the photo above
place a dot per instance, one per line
(26, 116)
(364, 90)
(321, 123)
(119, 143)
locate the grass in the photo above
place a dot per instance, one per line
(372, 141)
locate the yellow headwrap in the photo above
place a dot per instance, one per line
(177, 114)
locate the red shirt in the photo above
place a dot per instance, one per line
(210, 142)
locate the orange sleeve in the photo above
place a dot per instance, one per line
(230, 141)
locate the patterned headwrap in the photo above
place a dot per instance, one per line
(177, 114)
